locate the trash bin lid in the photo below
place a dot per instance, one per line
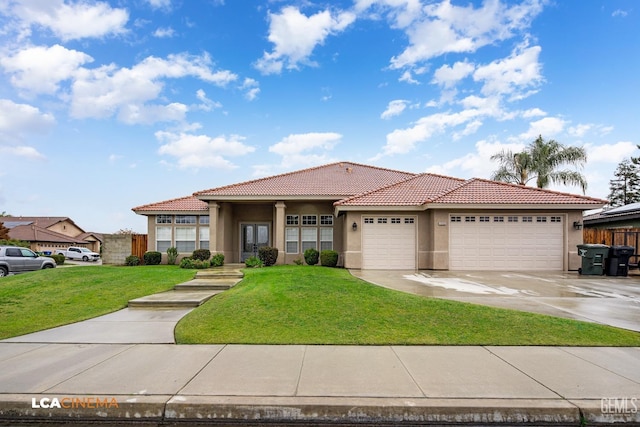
(592, 246)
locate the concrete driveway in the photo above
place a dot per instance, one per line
(613, 301)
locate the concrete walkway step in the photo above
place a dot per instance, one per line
(207, 284)
(219, 274)
(174, 299)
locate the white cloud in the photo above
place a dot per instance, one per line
(71, 20)
(533, 112)
(164, 33)
(521, 70)
(40, 69)
(206, 103)
(395, 108)
(449, 76)
(252, 88)
(408, 78)
(21, 151)
(610, 153)
(297, 143)
(580, 130)
(401, 12)
(296, 35)
(547, 127)
(476, 164)
(620, 13)
(159, 4)
(19, 119)
(445, 28)
(202, 151)
(108, 90)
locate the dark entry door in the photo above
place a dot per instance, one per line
(254, 236)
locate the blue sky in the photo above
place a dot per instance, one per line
(107, 105)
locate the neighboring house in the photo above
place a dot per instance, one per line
(627, 216)
(378, 218)
(50, 233)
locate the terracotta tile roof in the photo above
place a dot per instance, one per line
(414, 191)
(336, 179)
(482, 191)
(189, 203)
(34, 233)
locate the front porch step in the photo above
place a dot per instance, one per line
(207, 284)
(219, 274)
(174, 299)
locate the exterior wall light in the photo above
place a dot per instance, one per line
(354, 226)
(577, 225)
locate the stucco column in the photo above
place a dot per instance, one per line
(213, 226)
(278, 231)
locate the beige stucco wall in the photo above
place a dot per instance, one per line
(66, 228)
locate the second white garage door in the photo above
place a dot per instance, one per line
(389, 242)
(501, 242)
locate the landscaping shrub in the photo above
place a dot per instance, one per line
(152, 258)
(311, 256)
(217, 260)
(329, 258)
(297, 261)
(189, 262)
(253, 262)
(268, 255)
(172, 256)
(201, 254)
(58, 258)
(132, 261)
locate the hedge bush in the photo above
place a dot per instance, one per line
(217, 260)
(253, 262)
(311, 256)
(172, 256)
(152, 258)
(329, 258)
(189, 262)
(132, 261)
(201, 254)
(58, 258)
(268, 255)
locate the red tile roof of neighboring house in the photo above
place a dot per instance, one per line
(189, 203)
(34, 233)
(414, 191)
(482, 191)
(336, 179)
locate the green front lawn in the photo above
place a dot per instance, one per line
(317, 305)
(47, 298)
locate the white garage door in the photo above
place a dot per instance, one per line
(505, 242)
(389, 242)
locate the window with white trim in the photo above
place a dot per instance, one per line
(309, 219)
(556, 219)
(164, 219)
(204, 219)
(291, 240)
(409, 220)
(293, 219)
(163, 239)
(469, 219)
(456, 219)
(368, 220)
(204, 237)
(484, 219)
(498, 219)
(185, 239)
(185, 219)
(326, 238)
(326, 219)
(309, 238)
(527, 219)
(395, 221)
(382, 220)
(513, 219)
(541, 219)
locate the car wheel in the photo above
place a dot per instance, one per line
(85, 258)
(3, 272)
(47, 266)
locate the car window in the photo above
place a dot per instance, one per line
(27, 253)
(14, 252)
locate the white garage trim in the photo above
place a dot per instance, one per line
(389, 242)
(506, 241)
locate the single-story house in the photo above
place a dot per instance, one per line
(378, 218)
(627, 216)
(50, 233)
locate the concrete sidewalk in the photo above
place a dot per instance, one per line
(170, 384)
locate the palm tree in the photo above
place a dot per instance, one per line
(541, 160)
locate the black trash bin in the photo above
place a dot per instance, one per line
(618, 260)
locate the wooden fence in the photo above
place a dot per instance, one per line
(614, 236)
(138, 245)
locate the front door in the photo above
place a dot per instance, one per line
(254, 236)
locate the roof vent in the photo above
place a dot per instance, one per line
(349, 170)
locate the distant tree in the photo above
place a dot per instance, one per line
(625, 187)
(541, 160)
(125, 231)
(4, 213)
(4, 232)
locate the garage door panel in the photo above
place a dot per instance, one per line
(506, 244)
(389, 245)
